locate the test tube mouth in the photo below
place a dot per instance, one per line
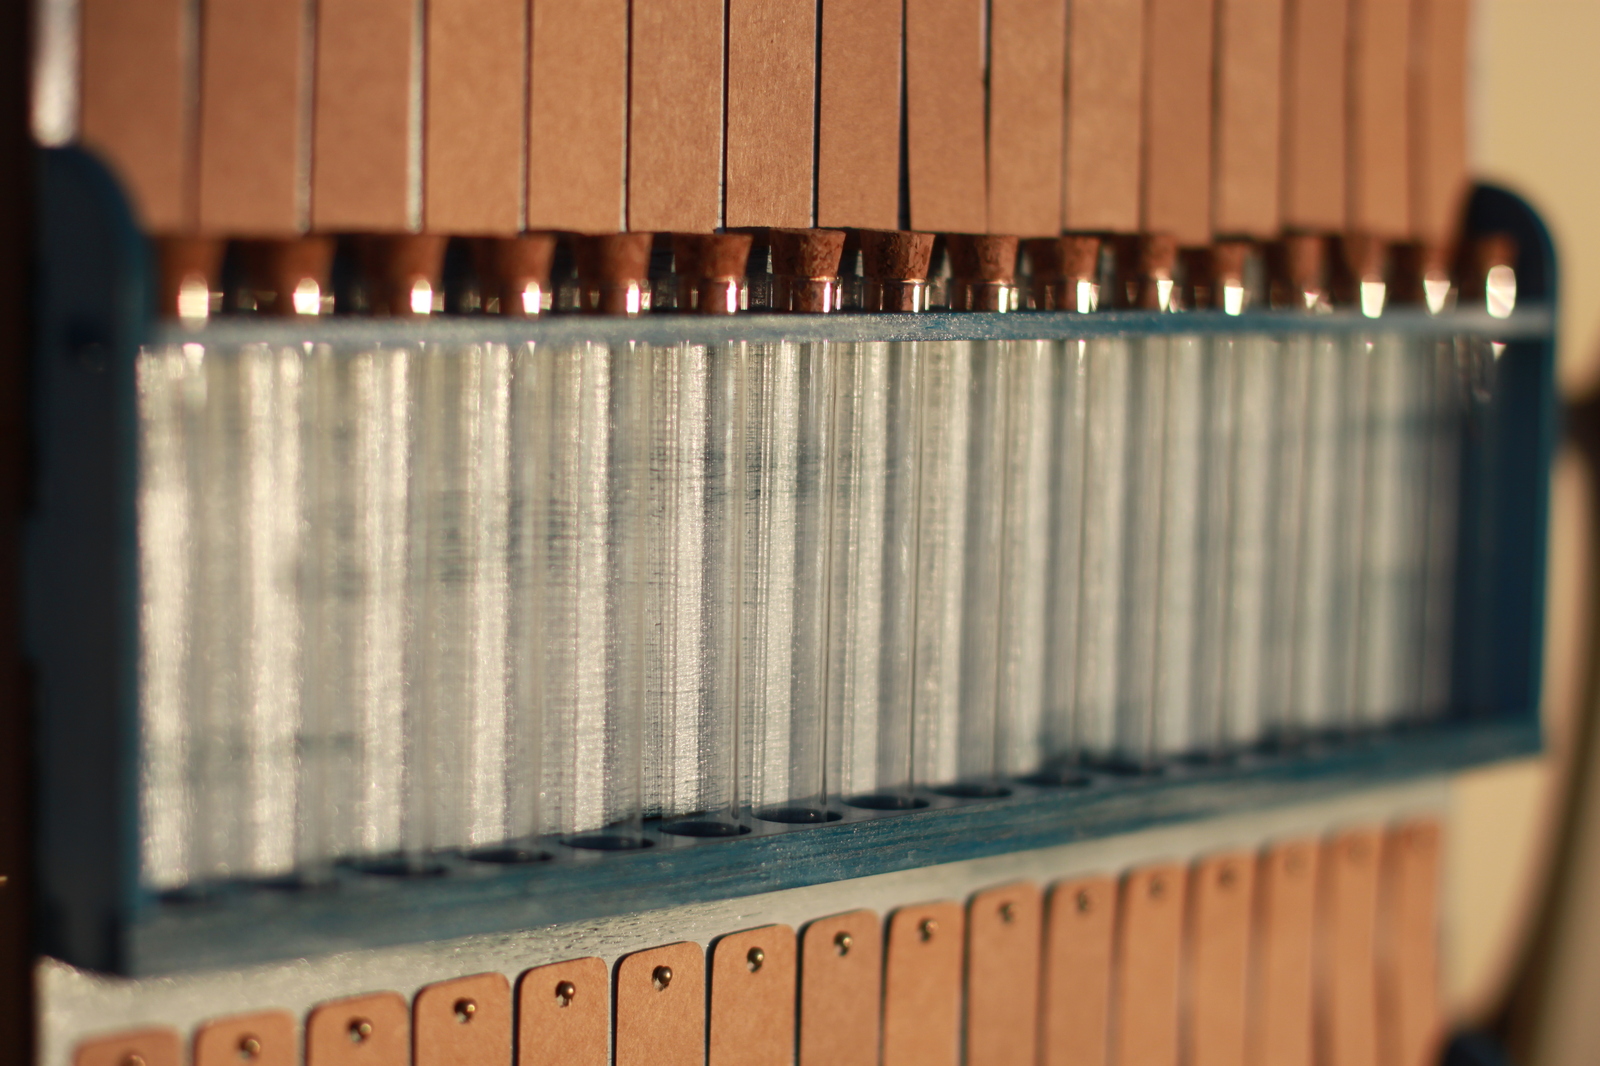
(805, 269)
(1065, 272)
(711, 271)
(404, 271)
(515, 272)
(613, 272)
(983, 271)
(887, 801)
(705, 828)
(798, 815)
(896, 265)
(974, 790)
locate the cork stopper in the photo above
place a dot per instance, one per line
(1066, 272)
(514, 272)
(403, 272)
(1147, 265)
(290, 277)
(710, 269)
(1360, 273)
(190, 270)
(1489, 274)
(1214, 276)
(896, 266)
(805, 269)
(613, 272)
(1297, 267)
(983, 270)
(1420, 275)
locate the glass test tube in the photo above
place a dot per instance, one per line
(695, 516)
(1249, 545)
(1443, 426)
(1319, 681)
(788, 415)
(859, 489)
(1291, 405)
(925, 598)
(1109, 379)
(165, 375)
(590, 554)
(457, 705)
(352, 695)
(1007, 542)
(1066, 524)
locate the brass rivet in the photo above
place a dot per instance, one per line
(754, 958)
(1158, 888)
(927, 928)
(1084, 902)
(465, 1009)
(133, 1058)
(360, 1029)
(842, 942)
(1227, 876)
(249, 1047)
(1008, 913)
(566, 991)
(661, 977)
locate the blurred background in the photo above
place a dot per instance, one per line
(1522, 949)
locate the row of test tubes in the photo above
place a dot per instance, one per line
(411, 599)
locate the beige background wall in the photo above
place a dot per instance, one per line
(1535, 128)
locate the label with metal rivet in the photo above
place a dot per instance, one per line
(840, 987)
(564, 1014)
(1279, 1025)
(1347, 914)
(1148, 952)
(752, 998)
(1221, 890)
(264, 1039)
(1075, 996)
(143, 1047)
(373, 1030)
(661, 1007)
(1003, 933)
(1410, 1027)
(465, 1022)
(922, 986)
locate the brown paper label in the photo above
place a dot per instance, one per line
(1220, 897)
(1410, 1026)
(841, 990)
(1149, 945)
(858, 136)
(372, 1030)
(661, 1007)
(1004, 931)
(157, 1047)
(1346, 1006)
(265, 1039)
(1076, 991)
(753, 998)
(1281, 974)
(465, 1022)
(564, 1015)
(922, 986)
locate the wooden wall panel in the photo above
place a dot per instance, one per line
(134, 104)
(945, 115)
(858, 139)
(362, 148)
(578, 115)
(675, 117)
(1176, 178)
(1379, 186)
(1438, 122)
(1105, 103)
(251, 143)
(1314, 72)
(1027, 115)
(477, 54)
(772, 70)
(1249, 118)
